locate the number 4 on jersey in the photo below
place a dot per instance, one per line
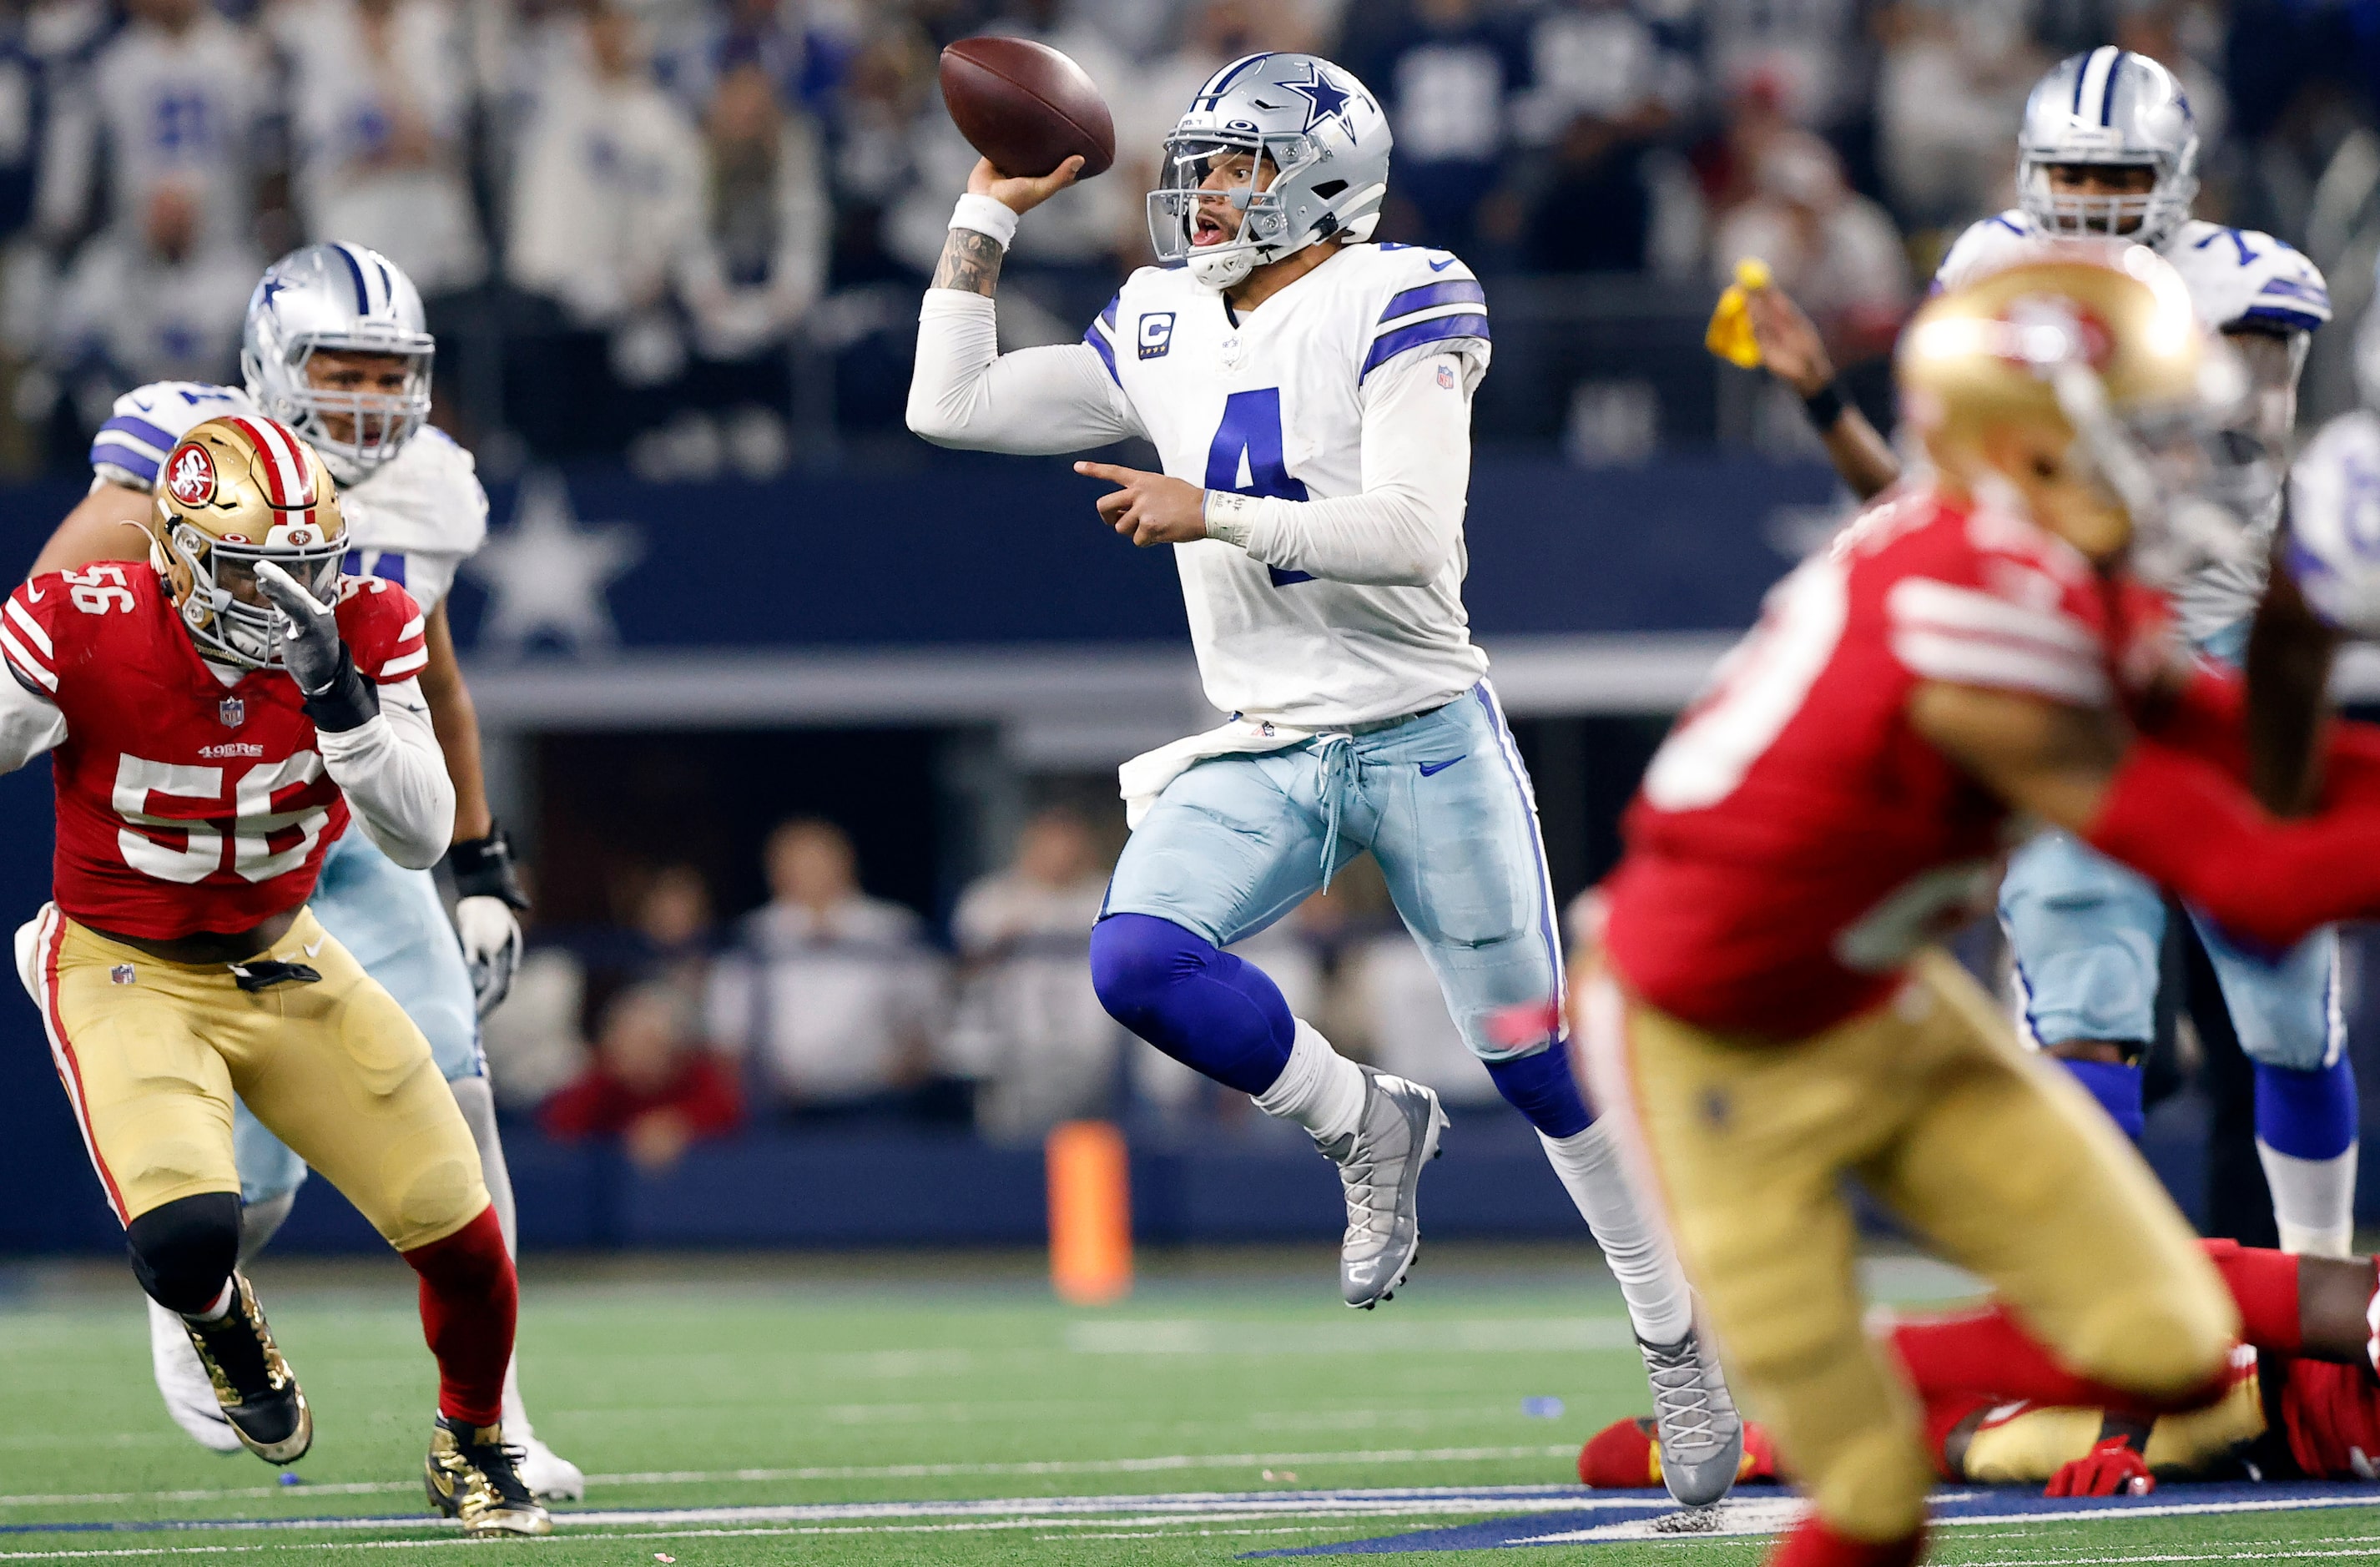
(1246, 459)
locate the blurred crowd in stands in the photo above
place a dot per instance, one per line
(694, 230)
(827, 1008)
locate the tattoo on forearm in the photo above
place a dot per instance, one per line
(970, 262)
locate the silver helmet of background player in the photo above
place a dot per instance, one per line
(1316, 128)
(343, 298)
(2108, 107)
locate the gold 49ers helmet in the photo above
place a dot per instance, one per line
(2077, 383)
(234, 491)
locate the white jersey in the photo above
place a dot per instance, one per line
(2334, 548)
(414, 521)
(1274, 404)
(2239, 280)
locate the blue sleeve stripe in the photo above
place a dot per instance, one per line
(1098, 340)
(2279, 318)
(2290, 288)
(130, 458)
(1455, 291)
(1109, 315)
(1438, 329)
(143, 430)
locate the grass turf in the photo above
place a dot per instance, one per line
(717, 1384)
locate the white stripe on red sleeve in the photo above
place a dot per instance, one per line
(30, 627)
(398, 668)
(24, 663)
(1943, 632)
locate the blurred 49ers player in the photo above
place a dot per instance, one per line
(1770, 1017)
(2302, 1400)
(215, 716)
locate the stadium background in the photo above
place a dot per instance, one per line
(674, 251)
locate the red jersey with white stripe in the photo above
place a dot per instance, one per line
(184, 803)
(1795, 840)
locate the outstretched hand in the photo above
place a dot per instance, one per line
(1790, 345)
(1149, 508)
(1022, 195)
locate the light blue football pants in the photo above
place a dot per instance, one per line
(392, 920)
(1444, 805)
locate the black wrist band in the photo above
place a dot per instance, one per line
(482, 868)
(1825, 404)
(349, 701)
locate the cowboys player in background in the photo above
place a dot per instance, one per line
(1310, 396)
(336, 349)
(2108, 147)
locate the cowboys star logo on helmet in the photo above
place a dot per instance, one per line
(267, 497)
(191, 479)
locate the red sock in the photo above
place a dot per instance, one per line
(1812, 1544)
(2264, 1286)
(1986, 1350)
(469, 1298)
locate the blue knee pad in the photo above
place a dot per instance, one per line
(1542, 1088)
(2117, 1089)
(1200, 1004)
(2308, 1115)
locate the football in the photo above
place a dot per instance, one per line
(1026, 106)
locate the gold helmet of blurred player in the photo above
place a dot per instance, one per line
(233, 492)
(2076, 385)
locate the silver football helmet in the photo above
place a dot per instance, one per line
(343, 298)
(1320, 133)
(2109, 106)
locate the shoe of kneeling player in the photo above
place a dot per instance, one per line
(253, 1385)
(473, 1475)
(183, 1383)
(1626, 1455)
(1379, 1167)
(1701, 1434)
(548, 1475)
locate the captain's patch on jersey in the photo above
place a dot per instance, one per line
(1156, 334)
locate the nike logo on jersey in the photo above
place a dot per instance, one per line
(1441, 266)
(1432, 769)
(312, 948)
(32, 594)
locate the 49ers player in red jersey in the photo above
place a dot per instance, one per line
(217, 716)
(1769, 1016)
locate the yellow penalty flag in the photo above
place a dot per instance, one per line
(1729, 336)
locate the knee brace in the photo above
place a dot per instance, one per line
(1198, 1003)
(1542, 1088)
(183, 1251)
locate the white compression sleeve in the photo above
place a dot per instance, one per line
(1634, 1246)
(395, 778)
(1404, 526)
(1035, 402)
(29, 724)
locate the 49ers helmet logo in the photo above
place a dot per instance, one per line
(190, 476)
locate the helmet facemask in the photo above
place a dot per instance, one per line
(2147, 217)
(378, 423)
(224, 609)
(1265, 233)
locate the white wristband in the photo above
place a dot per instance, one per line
(1227, 517)
(986, 215)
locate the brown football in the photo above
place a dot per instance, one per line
(1026, 106)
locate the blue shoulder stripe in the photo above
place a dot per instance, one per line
(1109, 315)
(1098, 340)
(140, 429)
(1455, 291)
(1438, 328)
(2291, 289)
(2277, 317)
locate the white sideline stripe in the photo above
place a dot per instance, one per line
(877, 1472)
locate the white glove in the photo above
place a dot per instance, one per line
(492, 947)
(311, 648)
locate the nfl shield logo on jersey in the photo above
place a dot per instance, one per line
(234, 712)
(122, 974)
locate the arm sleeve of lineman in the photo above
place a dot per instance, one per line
(394, 777)
(1407, 523)
(29, 724)
(1036, 402)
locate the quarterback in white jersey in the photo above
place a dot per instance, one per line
(336, 348)
(1309, 396)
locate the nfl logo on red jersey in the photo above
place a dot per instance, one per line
(234, 712)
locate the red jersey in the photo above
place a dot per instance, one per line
(184, 803)
(2331, 1416)
(1795, 840)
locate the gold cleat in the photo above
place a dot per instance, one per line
(259, 1393)
(472, 1475)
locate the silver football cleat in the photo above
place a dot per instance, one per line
(182, 1382)
(1379, 1164)
(1702, 1435)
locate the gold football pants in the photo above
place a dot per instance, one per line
(151, 1052)
(1989, 1154)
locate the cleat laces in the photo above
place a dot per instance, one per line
(1687, 1416)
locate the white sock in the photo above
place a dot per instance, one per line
(2313, 1200)
(1634, 1246)
(217, 1312)
(1319, 1089)
(516, 1427)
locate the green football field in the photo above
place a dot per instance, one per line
(934, 1410)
